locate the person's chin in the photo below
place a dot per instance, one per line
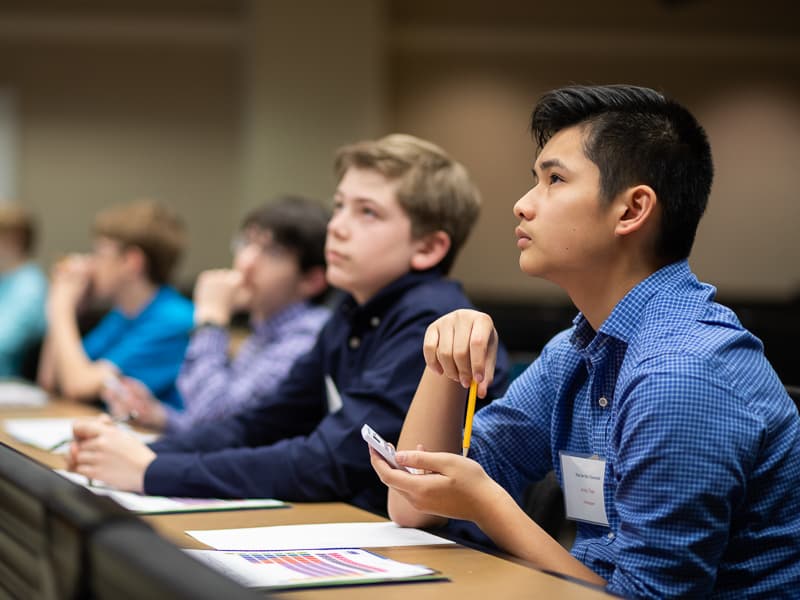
(529, 267)
(335, 275)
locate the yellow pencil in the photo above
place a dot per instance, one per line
(473, 392)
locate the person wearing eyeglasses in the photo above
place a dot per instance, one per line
(278, 278)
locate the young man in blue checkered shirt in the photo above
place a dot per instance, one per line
(676, 445)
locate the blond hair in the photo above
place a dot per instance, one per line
(153, 228)
(18, 222)
(434, 190)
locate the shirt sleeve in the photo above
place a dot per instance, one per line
(212, 386)
(685, 446)
(511, 436)
(151, 352)
(328, 460)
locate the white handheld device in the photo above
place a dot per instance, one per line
(382, 447)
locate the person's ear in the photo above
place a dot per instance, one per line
(430, 250)
(637, 208)
(312, 282)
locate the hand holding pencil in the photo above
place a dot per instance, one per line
(462, 346)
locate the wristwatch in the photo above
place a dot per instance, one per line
(207, 325)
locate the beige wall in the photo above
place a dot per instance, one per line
(213, 106)
(314, 82)
(105, 124)
(469, 84)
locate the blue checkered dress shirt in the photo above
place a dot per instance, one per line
(701, 442)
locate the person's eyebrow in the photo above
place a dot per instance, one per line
(550, 163)
(357, 200)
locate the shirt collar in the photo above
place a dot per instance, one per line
(626, 315)
(387, 296)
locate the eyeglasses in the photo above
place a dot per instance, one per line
(265, 246)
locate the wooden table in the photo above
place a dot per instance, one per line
(472, 574)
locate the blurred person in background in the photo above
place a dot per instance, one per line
(278, 277)
(134, 251)
(23, 290)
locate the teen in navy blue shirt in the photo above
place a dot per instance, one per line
(304, 442)
(402, 209)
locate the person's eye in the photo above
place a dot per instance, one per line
(554, 178)
(368, 212)
(274, 251)
(337, 205)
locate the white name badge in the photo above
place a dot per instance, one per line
(583, 487)
(334, 399)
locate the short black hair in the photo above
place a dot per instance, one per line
(636, 135)
(298, 224)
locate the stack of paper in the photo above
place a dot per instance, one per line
(311, 568)
(51, 434)
(150, 505)
(15, 392)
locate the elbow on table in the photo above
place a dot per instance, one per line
(78, 390)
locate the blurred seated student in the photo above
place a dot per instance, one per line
(135, 248)
(401, 211)
(23, 290)
(278, 276)
(676, 445)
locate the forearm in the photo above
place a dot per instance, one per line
(298, 469)
(435, 415)
(516, 533)
(76, 375)
(434, 421)
(46, 374)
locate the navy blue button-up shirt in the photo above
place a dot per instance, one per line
(303, 443)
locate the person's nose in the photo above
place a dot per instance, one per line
(338, 226)
(246, 258)
(524, 208)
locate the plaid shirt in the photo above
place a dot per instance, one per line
(700, 439)
(213, 386)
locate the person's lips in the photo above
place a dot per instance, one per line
(523, 238)
(334, 256)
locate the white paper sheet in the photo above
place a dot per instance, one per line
(14, 392)
(309, 568)
(319, 536)
(143, 504)
(47, 434)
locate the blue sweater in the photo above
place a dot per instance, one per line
(303, 443)
(23, 293)
(148, 346)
